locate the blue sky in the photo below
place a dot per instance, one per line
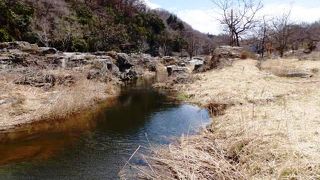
(186, 4)
(201, 15)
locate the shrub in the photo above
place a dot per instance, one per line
(4, 36)
(31, 37)
(79, 45)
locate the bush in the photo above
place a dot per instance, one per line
(31, 37)
(79, 45)
(4, 36)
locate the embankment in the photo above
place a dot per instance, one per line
(40, 83)
(265, 124)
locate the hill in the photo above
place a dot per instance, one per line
(98, 25)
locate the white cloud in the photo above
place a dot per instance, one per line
(202, 20)
(151, 4)
(299, 13)
(206, 20)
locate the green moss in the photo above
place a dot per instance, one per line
(182, 97)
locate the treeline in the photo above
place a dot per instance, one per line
(280, 34)
(266, 34)
(99, 25)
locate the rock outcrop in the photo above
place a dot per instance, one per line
(221, 57)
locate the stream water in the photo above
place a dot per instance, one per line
(97, 146)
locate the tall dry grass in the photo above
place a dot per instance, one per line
(27, 104)
(269, 130)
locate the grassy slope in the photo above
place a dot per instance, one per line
(28, 104)
(270, 130)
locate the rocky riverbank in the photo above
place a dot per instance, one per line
(40, 83)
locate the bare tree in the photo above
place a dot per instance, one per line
(281, 32)
(262, 36)
(238, 16)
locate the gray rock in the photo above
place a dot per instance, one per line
(174, 70)
(168, 60)
(37, 80)
(3, 101)
(222, 56)
(124, 62)
(128, 75)
(47, 50)
(75, 59)
(94, 74)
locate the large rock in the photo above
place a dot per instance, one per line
(168, 60)
(47, 50)
(37, 80)
(22, 46)
(221, 57)
(105, 64)
(72, 60)
(224, 56)
(103, 69)
(175, 70)
(197, 63)
(129, 74)
(124, 62)
(13, 57)
(28, 48)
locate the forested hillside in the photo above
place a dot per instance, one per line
(96, 25)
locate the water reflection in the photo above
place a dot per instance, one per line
(96, 145)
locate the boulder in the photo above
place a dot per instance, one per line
(94, 74)
(13, 57)
(128, 75)
(106, 65)
(224, 56)
(47, 50)
(197, 64)
(174, 70)
(5, 59)
(221, 57)
(228, 52)
(37, 80)
(112, 54)
(168, 60)
(124, 62)
(100, 53)
(21, 45)
(74, 59)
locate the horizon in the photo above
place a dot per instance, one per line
(204, 18)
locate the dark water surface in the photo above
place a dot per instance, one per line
(97, 146)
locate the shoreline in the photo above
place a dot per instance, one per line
(256, 131)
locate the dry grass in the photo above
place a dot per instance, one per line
(271, 131)
(26, 104)
(287, 67)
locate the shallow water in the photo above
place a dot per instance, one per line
(97, 147)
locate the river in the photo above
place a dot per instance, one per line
(97, 146)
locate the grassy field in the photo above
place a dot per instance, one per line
(266, 124)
